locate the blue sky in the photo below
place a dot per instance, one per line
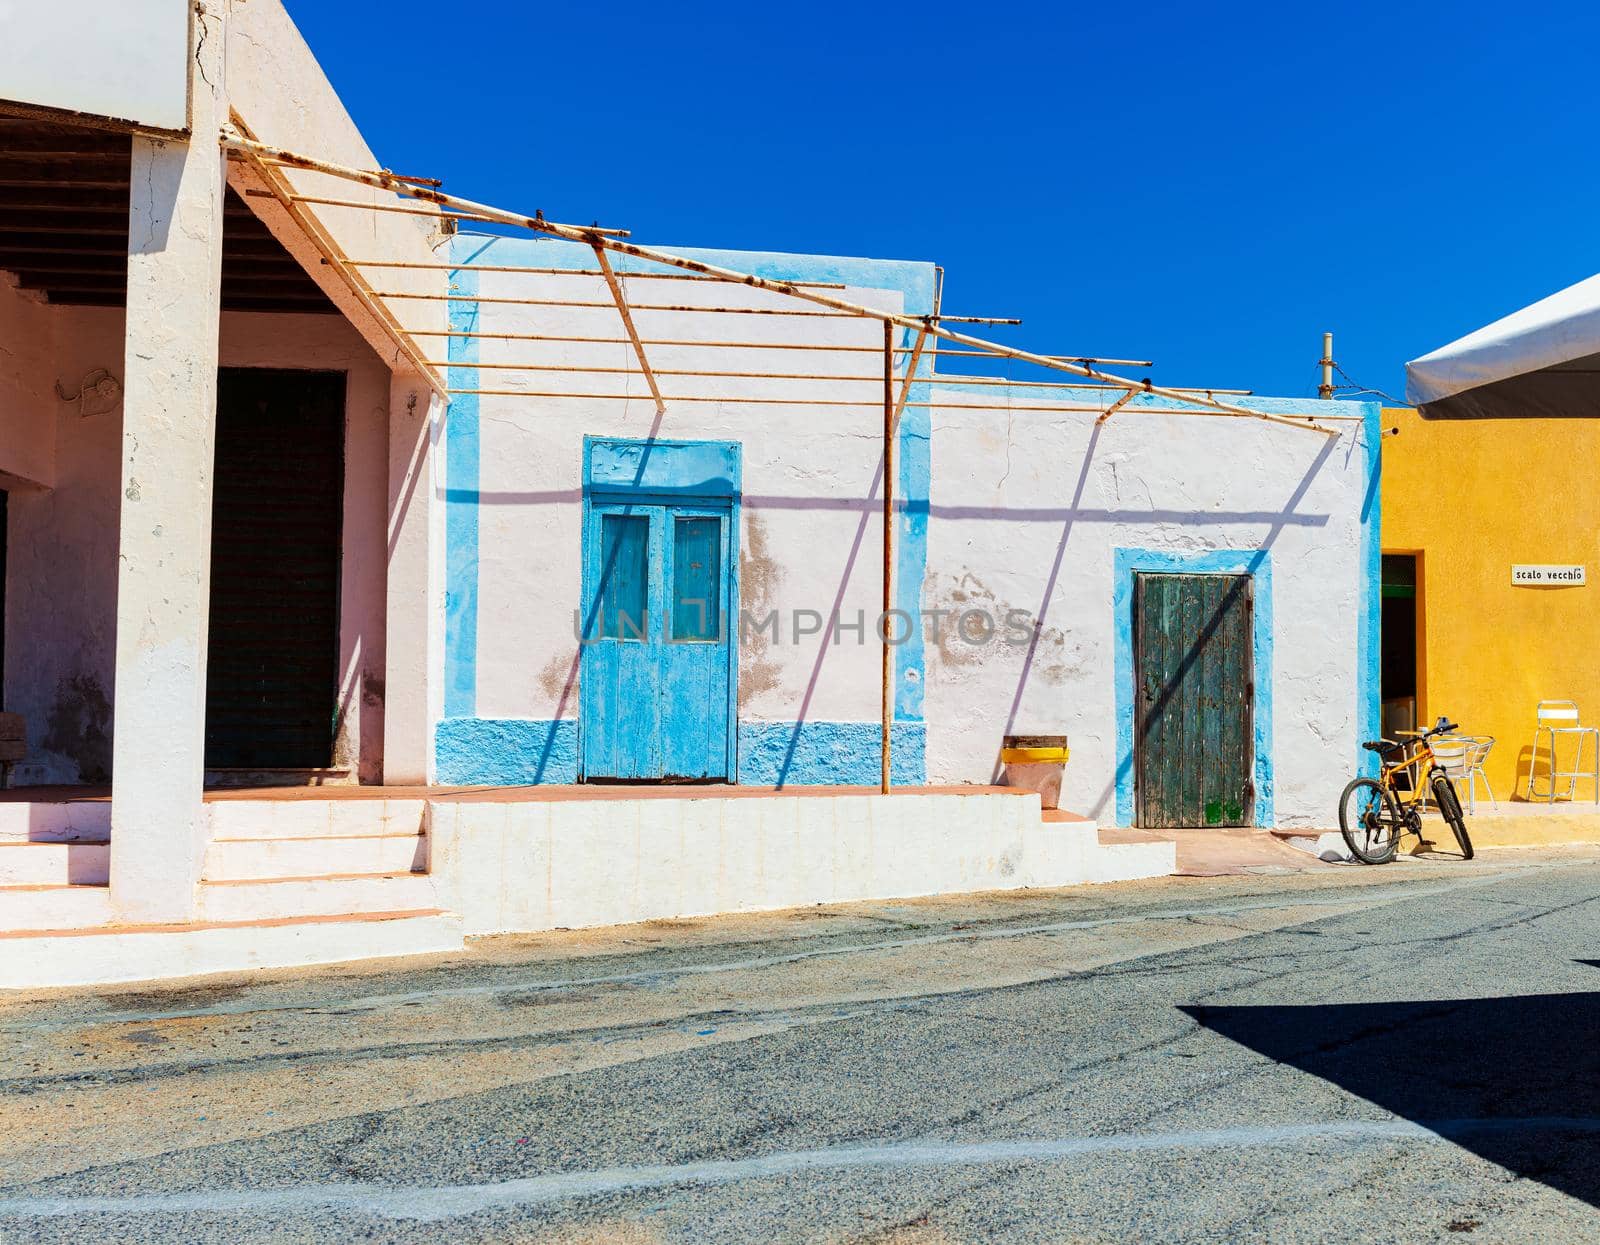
(1206, 185)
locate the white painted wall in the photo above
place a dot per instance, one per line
(810, 531)
(536, 865)
(1019, 498)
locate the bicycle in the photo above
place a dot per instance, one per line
(1375, 812)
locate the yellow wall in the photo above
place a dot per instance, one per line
(1474, 497)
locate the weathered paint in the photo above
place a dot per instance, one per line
(485, 751)
(1258, 565)
(802, 754)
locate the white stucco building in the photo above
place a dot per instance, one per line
(341, 547)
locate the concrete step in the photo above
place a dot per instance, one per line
(147, 952)
(246, 859)
(62, 822)
(314, 818)
(53, 907)
(281, 898)
(54, 864)
(1122, 855)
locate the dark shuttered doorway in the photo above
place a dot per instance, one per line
(272, 669)
(1195, 690)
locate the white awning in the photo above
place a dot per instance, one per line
(1541, 361)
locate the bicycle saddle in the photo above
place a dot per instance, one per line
(1382, 745)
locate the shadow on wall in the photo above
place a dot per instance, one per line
(1514, 1080)
(1584, 791)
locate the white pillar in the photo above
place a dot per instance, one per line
(408, 665)
(158, 826)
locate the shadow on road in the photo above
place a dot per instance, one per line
(1515, 1080)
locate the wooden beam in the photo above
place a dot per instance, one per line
(1117, 406)
(63, 183)
(911, 372)
(266, 154)
(621, 300)
(272, 176)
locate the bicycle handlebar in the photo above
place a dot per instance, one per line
(1441, 727)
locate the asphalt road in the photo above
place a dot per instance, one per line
(1407, 1053)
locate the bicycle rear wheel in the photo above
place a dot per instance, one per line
(1450, 807)
(1369, 821)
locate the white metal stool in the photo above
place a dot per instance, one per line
(1556, 718)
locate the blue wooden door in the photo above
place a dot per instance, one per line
(656, 670)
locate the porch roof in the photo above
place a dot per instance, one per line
(64, 225)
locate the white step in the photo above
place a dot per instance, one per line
(334, 895)
(54, 864)
(1128, 862)
(243, 859)
(144, 953)
(52, 907)
(72, 821)
(313, 818)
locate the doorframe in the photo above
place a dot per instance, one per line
(620, 471)
(1257, 564)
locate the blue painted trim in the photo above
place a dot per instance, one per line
(531, 752)
(1254, 562)
(820, 754)
(1002, 394)
(913, 481)
(505, 751)
(462, 456)
(1369, 653)
(914, 279)
(631, 468)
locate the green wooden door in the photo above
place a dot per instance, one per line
(1194, 691)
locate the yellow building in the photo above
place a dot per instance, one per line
(1464, 502)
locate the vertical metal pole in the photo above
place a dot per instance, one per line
(888, 540)
(1325, 389)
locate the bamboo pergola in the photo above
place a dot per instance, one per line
(932, 331)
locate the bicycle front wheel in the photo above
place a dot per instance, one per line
(1369, 821)
(1450, 807)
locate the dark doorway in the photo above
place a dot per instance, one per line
(273, 669)
(1399, 681)
(1194, 684)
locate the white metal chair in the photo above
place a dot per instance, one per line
(1482, 745)
(1555, 719)
(1453, 754)
(1462, 757)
